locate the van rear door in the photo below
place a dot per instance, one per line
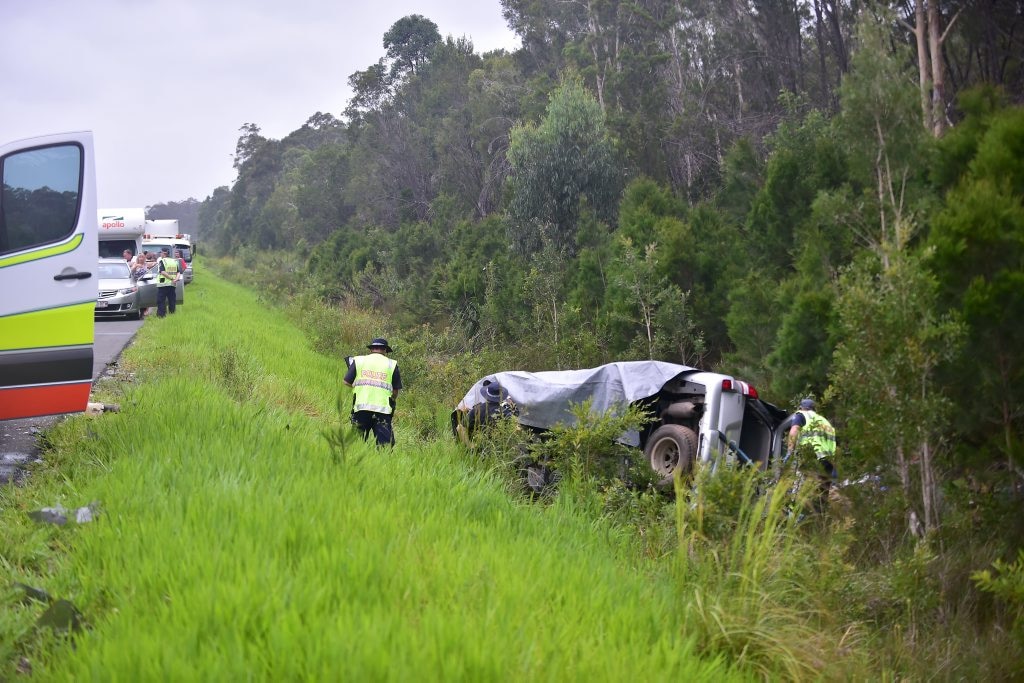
(48, 283)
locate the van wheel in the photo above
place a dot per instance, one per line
(671, 449)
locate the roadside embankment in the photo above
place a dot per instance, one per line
(231, 542)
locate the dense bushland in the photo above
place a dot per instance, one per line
(771, 190)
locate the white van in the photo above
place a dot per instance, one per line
(48, 287)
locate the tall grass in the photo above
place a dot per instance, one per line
(231, 544)
(746, 599)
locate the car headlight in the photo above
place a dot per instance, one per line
(127, 290)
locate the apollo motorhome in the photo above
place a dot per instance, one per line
(48, 284)
(120, 229)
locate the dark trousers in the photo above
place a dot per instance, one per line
(379, 423)
(166, 298)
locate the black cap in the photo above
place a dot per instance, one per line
(807, 404)
(378, 343)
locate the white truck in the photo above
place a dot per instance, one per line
(163, 227)
(120, 229)
(167, 233)
(48, 272)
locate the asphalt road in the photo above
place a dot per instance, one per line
(112, 335)
(18, 437)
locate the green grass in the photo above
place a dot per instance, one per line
(233, 544)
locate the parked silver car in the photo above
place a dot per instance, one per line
(119, 293)
(122, 295)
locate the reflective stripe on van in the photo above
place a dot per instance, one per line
(53, 399)
(36, 254)
(52, 327)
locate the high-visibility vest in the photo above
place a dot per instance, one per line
(167, 265)
(372, 385)
(818, 433)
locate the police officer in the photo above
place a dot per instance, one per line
(816, 433)
(165, 291)
(375, 382)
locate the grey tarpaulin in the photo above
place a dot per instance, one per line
(545, 398)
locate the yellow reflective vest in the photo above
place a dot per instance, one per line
(167, 265)
(818, 433)
(372, 385)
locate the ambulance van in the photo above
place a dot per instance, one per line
(48, 283)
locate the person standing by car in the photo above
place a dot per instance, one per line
(165, 289)
(139, 269)
(181, 261)
(375, 382)
(811, 433)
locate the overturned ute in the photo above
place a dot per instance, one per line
(698, 416)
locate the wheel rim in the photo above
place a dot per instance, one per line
(665, 456)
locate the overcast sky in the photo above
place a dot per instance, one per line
(165, 84)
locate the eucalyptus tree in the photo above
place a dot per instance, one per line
(473, 155)
(401, 130)
(409, 44)
(259, 162)
(892, 335)
(555, 165)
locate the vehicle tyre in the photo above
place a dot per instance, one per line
(137, 315)
(671, 449)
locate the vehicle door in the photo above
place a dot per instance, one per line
(147, 290)
(48, 283)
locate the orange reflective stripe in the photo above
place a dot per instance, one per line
(53, 399)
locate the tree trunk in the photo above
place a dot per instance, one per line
(921, 33)
(832, 11)
(938, 103)
(929, 488)
(819, 37)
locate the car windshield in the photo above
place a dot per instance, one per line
(114, 271)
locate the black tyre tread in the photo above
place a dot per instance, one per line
(685, 440)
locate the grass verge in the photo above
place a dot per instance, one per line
(231, 544)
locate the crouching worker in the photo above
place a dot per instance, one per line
(497, 404)
(375, 384)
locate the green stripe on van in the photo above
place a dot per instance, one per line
(55, 250)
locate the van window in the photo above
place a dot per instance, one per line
(115, 248)
(40, 196)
